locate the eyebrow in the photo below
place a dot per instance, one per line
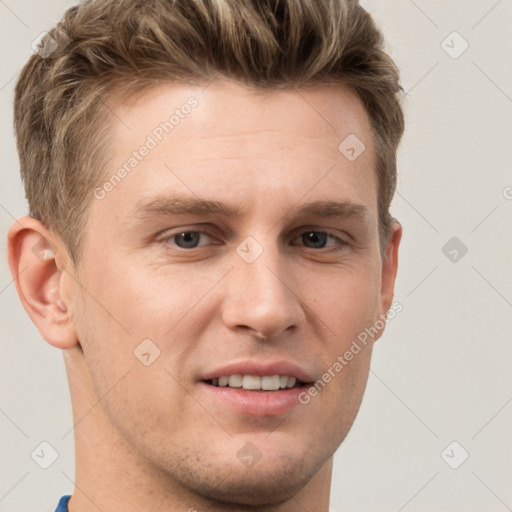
(176, 205)
(334, 209)
(179, 205)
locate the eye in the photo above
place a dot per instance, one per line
(310, 239)
(320, 240)
(187, 239)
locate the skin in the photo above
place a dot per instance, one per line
(148, 437)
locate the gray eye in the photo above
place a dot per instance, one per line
(187, 239)
(315, 239)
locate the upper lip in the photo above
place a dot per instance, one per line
(260, 368)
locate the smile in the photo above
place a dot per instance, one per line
(255, 382)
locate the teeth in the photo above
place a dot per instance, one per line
(291, 382)
(270, 383)
(254, 382)
(251, 382)
(235, 381)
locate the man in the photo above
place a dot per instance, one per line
(209, 236)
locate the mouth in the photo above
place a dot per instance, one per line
(256, 388)
(256, 382)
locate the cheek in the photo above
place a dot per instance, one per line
(147, 400)
(112, 325)
(145, 303)
(347, 302)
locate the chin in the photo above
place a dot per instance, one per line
(272, 480)
(255, 487)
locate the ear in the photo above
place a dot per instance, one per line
(390, 267)
(32, 250)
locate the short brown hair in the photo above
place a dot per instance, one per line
(102, 47)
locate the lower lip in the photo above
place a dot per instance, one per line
(256, 403)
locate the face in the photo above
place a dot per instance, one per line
(240, 248)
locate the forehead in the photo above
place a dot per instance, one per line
(215, 140)
(224, 110)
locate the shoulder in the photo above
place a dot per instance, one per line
(63, 504)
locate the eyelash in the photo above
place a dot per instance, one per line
(341, 244)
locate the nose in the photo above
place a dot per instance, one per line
(260, 297)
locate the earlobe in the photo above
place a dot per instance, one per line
(32, 260)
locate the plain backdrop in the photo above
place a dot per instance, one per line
(434, 429)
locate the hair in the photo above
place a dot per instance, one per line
(102, 50)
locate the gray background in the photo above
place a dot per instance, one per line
(441, 372)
